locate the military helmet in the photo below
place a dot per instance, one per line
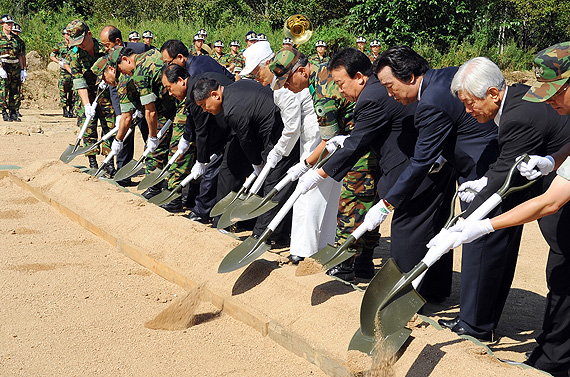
(282, 65)
(198, 37)
(261, 37)
(202, 32)
(64, 31)
(147, 34)
(235, 42)
(251, 36)
(17, 28)
(552, 69)
(134, 35)
(219, 43)
(7, 18)
(361, 39)
(77, 30)
(320, 43)
(374, 43)
(287, 41)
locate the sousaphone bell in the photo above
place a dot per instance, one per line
(298, 28)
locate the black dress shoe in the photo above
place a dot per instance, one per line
(125, 182)
(460, 330)
(65, 113)
(18, 112)
(93, 162)
(151, 191)
(110, 169)
(448, 323)
(295, 259)
(173, 206)
(342, 271)
(194, 217)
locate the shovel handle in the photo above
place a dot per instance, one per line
(109, 134)
(159, 136)
(284, 210)
(187, 180)
(260, 179)
(88, 119)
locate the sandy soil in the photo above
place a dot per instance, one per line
(74, 306)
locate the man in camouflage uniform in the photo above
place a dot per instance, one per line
(287, 42)
(197, 47)
(361, 44)
(320, 56)
(12, 70)
(235, 58)
(134, 37)
(375, 47)
(219, 54)
(17, 29)
(145, 73)
(147, 37)
(60, 55)
(84, 53)
(334, 113)
(250, 38)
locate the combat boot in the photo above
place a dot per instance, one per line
(174, 205)
(18, 112)
(65, 113)
(152, 191)
(110, 169)
(14, 116)
(70, 112)
(5, 116)
(93, 162)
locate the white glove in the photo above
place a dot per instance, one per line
(152, 143)
(464, 232)
(3, 73)
(197, 170)
(437, 165)
(116, 146)
(297, 170)
(536, 167)
(90, 111)
(23, 75)
(376, 215)
(102, 85)
(61, 63)
(309, 181)
(335, 142)
(257, 169)
(476, 185)
(118, 120)
(273, 157)
(137, 114)
(183, 145)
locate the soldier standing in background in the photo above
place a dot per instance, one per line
(250, 38)
(361, 44)
(12, 70)
(17, 29)
(134, 36)
(287, 42)
(319, 57)
(235, 59)
(196, 48)
(60, 55)
(219, 54)
(147, 38)
(375, 47)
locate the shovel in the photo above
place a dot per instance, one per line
(158, 175)
(133, 166)
(68, 153)
(100, 171)
(167, 196)
(227, 201)
(87, 149)
(391, 299)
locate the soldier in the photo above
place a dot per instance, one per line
(250, 38)
(12, 68)
(197, 47)
(203, 33)
(319, 57)
(334, 113)
(60, 55)
(287, 42)
(375, 47)
(147, 37)
(219, 54)
(236, 59)
(86, 50)
(361, 44)
(134, 36)
(17, 29)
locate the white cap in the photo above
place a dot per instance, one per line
(254, 55)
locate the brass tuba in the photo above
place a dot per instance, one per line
(298, 28)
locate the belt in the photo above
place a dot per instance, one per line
(11, 61)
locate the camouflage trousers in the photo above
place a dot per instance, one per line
(357, 196)
(66, 95)
(10, 97)
(181, 167)
(105, 115)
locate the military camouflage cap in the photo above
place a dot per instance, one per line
(219, 43)
(17, 28)
(77, 30)
(7, 18)
(134, 35)
(110, 59)
(148, 34)
(282, 65)
(552, 70)
(320, 43)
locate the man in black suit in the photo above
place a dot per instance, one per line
(386, 127)
(524, 127)
(444, 129)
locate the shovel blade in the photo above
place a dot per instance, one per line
(253, 207)
(128, 170)
(242, 255)
(385, 347)
(226, 220)
(153, 178)
(221, 206)
(165, 197)
(68, 154)
(344, 255)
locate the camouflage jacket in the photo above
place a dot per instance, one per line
(316, 59)
(81, 62)
(192, 50)
(11, 48)
(334, 112)
(61, 51)
(238, 60)
(371, 56)
(146, 79)
(223, 59)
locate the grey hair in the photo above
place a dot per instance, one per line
(476, 76)
(263, 62)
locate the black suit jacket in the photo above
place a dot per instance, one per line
(382, 125)
(524, 127)
(444, 128)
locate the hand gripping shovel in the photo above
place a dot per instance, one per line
(99, 172)
(87, 149)
(133, 166)
(391, 298)
(227, 201)
(169, 195)
(69, 152)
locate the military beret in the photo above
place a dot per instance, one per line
(287, 41)
(198, 37)
(261, 37)
(202, 32)
(17, 28)
(234, 43)
(375, 42)
(251, 36)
